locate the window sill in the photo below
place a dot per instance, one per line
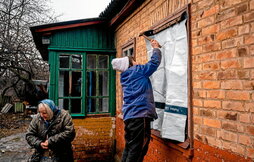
(98, 115)
(91, 116)
(180, 146)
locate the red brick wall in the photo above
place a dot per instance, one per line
(141, 20)
(162, 150)
(222, 59)
(223, 65)
(205, 152)
(94, 139)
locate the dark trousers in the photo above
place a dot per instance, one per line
(137, 138)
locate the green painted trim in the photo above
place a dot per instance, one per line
(51, 83)
(91, 113)
(112, 92)
(52, 60)
(57, 77)
(70, 76)
(70, 97)
(98, 96)
(82, 49)
(81, 115)
(66, 69)
(106, 69)
(54, 77)
(97, 84)
(70, 70)
(83, 93)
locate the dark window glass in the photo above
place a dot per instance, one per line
(70, 80)
(64, 61)
(103, 83)
(77, 61)
(76, 84)
(103, 62)
(131, 52)
(76, 105)
(91, 83)
(91, 104)
(91, 61)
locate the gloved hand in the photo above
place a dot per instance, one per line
(155, 43)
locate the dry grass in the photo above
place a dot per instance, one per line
(12, 123)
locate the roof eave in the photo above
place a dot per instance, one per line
(39, 31)
(124, 12)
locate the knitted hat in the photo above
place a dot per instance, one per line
(120, 64)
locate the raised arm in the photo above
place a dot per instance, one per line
(153, 64)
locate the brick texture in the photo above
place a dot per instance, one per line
(222, 64)
(203, 152)
(94, 139)
(227, 106)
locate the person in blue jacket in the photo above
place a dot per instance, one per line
(138, 107)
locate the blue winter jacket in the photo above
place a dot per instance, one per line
(137, 89)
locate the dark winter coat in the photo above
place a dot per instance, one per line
(60, 134)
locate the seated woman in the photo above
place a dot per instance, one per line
(51, 132)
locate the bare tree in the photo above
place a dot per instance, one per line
(20, 62)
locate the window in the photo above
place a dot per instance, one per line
(172, 90)
(97, 81)
(84, 83)
(70, 82)
(128, 49)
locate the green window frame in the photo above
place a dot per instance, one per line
(70, 78)
(83, 83)
(97, 87)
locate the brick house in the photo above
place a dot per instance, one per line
(220, 73)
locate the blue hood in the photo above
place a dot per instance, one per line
(51, 105)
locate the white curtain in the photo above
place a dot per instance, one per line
(170, 82)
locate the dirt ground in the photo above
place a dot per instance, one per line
(13, 123)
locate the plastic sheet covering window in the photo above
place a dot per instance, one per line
(170, 82)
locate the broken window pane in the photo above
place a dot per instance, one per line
(77, 61)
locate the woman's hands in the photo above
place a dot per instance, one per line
(45, 144)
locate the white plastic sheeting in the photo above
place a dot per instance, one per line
(170, 82)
